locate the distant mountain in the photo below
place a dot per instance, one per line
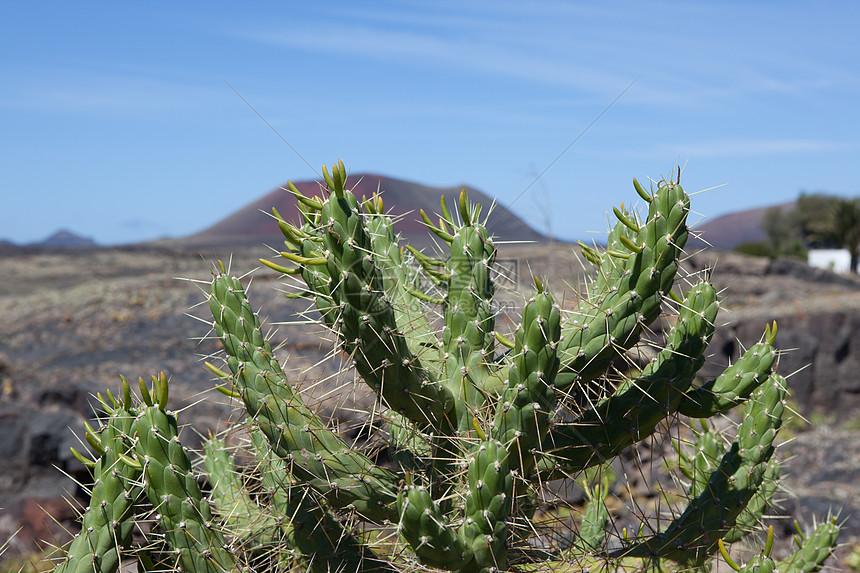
(64, 239)
(402, 199)
(728, 231)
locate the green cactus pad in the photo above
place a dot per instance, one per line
(304, 522)
(107, 524)
(242, 516)
(488, 503)
(626, 295)
(692, 537)
(733, 386)
(468, 336)
(343, 475)
(814, 549)
(521, 421)
(172, 488)
(366, 321)
(400, 280)
(423, 525)
(637, 407)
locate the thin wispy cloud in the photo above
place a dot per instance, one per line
(534, 45)
(431, 90)
(742, 148)
(426, 49)
(106, 94)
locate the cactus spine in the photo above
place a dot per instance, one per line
(477, 421)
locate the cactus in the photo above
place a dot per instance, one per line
(809, 557)
(106, 526)
(478, 421)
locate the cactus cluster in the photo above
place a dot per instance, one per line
(477, 422)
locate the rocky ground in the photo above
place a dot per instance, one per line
(73, 321)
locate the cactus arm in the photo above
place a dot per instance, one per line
(522, 417)
(480, 544)
(752, 514)
(626, 295)
(692, 537)
(107, 525)
(170, 485)
(423, 525)
(488, 504)
(734, 385)
(518, 428)
(344, 476)
(709, 448)
(243, 518)
(361, 294)
(595, 519)
(762, 563)
(305, 524)
(366, 321)
(814, 549)
(634, 411)
(409, 447)
(400, 284)
(698, 467)
(468, 337)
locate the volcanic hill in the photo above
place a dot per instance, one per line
(728, 231)
(403, 200)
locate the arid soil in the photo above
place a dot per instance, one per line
(74, 321)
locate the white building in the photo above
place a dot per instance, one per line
(836, 260)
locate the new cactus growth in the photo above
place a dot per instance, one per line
(477, 421)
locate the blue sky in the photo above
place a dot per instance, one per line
(117, 121)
